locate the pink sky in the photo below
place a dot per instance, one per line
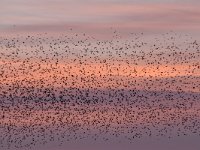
(100, 18)
(134, 15)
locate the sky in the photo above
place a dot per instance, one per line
(151, 15)
(42, 41)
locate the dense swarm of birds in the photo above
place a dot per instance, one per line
(65, 88)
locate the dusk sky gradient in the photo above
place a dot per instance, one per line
(151, 15)
(162, 22)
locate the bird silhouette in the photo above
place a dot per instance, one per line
(70, 88)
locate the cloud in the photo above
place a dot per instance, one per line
(128, 14)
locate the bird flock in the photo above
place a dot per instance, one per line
(73, 87)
